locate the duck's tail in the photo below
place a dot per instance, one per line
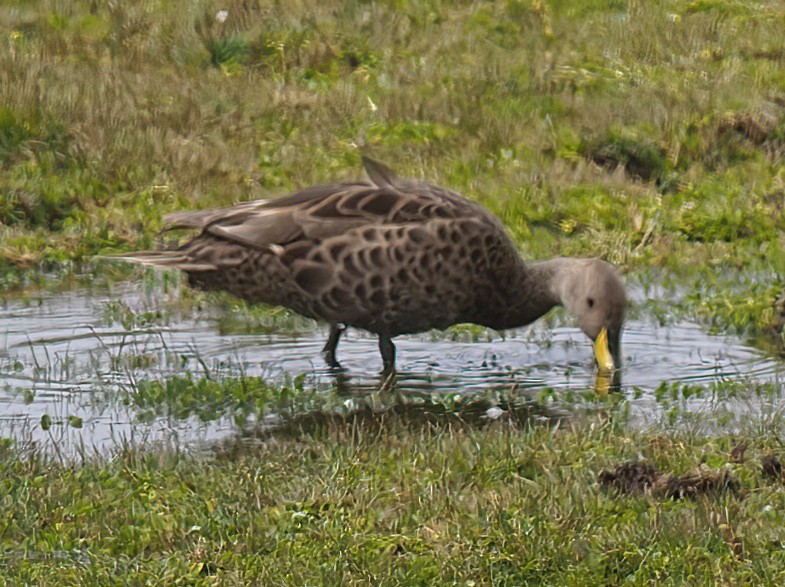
(165, 259)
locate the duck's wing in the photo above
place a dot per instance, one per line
(322, 211)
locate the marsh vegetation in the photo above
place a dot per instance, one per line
(650, 134)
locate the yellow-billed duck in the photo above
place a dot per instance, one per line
(391, 256)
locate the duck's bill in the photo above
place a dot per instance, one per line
(602, 353)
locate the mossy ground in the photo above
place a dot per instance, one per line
(648, 133)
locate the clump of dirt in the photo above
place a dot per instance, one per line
(630, 477)
(771, 466)
(638, 477)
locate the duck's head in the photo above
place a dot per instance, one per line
(593, 292)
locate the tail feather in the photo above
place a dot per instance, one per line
(173, 259)
(202, 218)
(379, 173)
(188, 219)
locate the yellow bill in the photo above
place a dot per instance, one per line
(602, 353)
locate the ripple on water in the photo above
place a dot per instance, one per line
(60, 356)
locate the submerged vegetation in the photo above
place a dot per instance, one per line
(651, 134)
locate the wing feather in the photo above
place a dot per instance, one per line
(323, 211)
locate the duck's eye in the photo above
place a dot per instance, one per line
(590, 301)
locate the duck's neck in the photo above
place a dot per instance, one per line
(536, 288)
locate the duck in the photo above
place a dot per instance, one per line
(390, 256)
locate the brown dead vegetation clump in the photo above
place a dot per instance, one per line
(635, 477)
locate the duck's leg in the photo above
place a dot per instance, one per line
(387, 349)
(328, 352)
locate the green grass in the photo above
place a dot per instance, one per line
(391, 502)
(648, 135)
(117, 113)
(591, 129)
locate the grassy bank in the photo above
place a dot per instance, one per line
(392, 502)
(650, 134)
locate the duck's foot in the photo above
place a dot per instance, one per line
(336, 368)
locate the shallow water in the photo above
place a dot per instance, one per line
(60, 356)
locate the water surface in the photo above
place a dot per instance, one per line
(67, 357)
